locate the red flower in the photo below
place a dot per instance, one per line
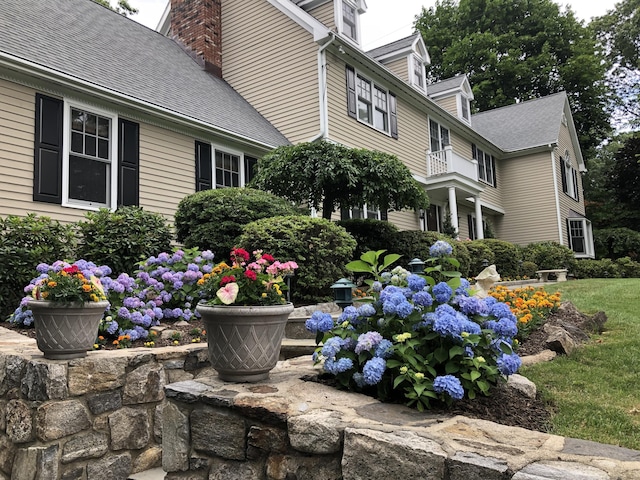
(250, 274)
(240, 252)
(268, 258)
(227, 279)
(71, 270)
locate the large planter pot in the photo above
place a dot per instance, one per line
(66, 331)
(244, 342)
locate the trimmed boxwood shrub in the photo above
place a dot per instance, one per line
(616, 242)
(24, 243)
(320, 247)
(213, 219)
(371, 234)
(549, 255)
(479, 252)
(529, 269)
(123, 238)
(415, 244)
(507, 256)
(589, 268)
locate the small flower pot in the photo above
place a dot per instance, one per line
(66, 331)
(244, 342)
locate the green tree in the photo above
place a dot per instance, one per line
(619, 34)
(516, 50)
(625, 180)
(122, 7)
(329, 176)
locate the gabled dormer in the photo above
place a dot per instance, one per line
(343, 16)
(406, 58)
(454, 95)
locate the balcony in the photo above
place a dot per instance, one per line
(446, 161)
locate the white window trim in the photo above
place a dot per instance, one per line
(66, 148)
(572, 186)
(340, 20)
(365, 212)
(460, 99)
(440, 128)
(588, 237)
(492, 159)
(214, 149)
(410, 59)
(374, 85)
(439, 220)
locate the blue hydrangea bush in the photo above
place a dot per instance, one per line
(164, 288)
(423, 339)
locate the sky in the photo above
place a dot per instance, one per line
(380, 24)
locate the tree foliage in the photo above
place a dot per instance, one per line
(122, 7)
(518, 50)
(329, 176)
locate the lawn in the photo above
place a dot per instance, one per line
(595, 391)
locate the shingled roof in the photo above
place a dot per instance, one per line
(402, 44)
(91, 43)
(522, 125)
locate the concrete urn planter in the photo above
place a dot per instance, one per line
(244, 341)
(66, 331)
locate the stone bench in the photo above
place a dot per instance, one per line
(560, 273)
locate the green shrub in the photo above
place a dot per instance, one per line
(616, 243)
(24, 243)
(479, 253)
(320, 247)
(213, 219)
(529, 269)
(549, 255)
(123, 238)
(416, 244)
(507, 257)
(371, 235)
(589, 268)
(628, 268)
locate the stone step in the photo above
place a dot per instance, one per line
(153, 474)
(296, 347)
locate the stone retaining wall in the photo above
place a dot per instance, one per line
(91, 418)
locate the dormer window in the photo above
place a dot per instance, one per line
(350, 21)
(464, 108)
(417, 77)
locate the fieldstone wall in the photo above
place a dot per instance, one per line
(79, 419)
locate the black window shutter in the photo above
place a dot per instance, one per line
(569, 234)
(352, 101)
(384, 215)
(563, 174)
(128, 163)
(493, 171)
(575, 184)
(47, 165)
(474, 151)
(250, 164)
(393, 115)
(204, 172)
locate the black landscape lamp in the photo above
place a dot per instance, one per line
(416, 266)
(342, 292)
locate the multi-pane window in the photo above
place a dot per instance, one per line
(380, 113)
(363, 212)
(349, 21)
(373, 104)
(431, 219)
(439, 136)
(464, 107)
(417, 72)
(89, 167)
(364, 100)
(486, 166)
(569, 177)
(227, 170)
(580, 236)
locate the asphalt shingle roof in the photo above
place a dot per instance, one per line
(522, 125)
(446, 84)
(90, 42)
(401, 44)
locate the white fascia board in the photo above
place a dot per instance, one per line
(164, 24)
(574, 136)
(302, 18)
(21, 66)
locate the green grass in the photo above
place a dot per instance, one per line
(595, 391)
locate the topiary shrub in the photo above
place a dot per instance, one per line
(24, 243)
(123, 238)
(479, 253)
(320, 247)
(371, 235)
(507, 257)
(415, 244)
(549, 255)
(213, 219)
(616, 243)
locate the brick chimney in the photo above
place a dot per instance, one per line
(197, 26)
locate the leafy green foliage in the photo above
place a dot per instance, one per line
(415, 244)
(479, 252)
(516, 51)
(617, 242)
(123, 238)
(549, 255)
(318, 246)
(213, 219)
(371, 234)
(329, 176)
(24, 243)
(372, 263)
(122, 7)
(623, 267)
(507, 256)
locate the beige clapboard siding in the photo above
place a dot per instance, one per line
(527, 184)
(400, 68)
(567, 203)
(262, 70)
(450, 104)
(411, 145)
(325, 14)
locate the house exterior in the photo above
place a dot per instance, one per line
(513, 171)
(267, 72)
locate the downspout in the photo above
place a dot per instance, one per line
(555, 190)
(322, 90)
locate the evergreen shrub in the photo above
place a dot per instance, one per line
(371, 235)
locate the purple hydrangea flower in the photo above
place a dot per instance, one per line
(373, 370)
(509, 364)
(442, 292)
(416, 282)
(384, 349)
(368, 341)
(450, 385)
(338, 366)
(319, 322)
(440, 249)
(422, 299)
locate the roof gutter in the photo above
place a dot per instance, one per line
(322, 90)
(27, 67)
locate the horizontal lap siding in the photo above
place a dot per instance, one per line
(527, 187)
(325, 14)
(259, 43)
(449, 104)
(400, 68)
(567, 203)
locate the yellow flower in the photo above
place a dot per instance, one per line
(264, 295)
(403, 370)
(419, 376)
(402, 337)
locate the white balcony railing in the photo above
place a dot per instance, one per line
(446, 161)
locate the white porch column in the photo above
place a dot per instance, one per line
(479, 229)
(448, 153)
(453, 209)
